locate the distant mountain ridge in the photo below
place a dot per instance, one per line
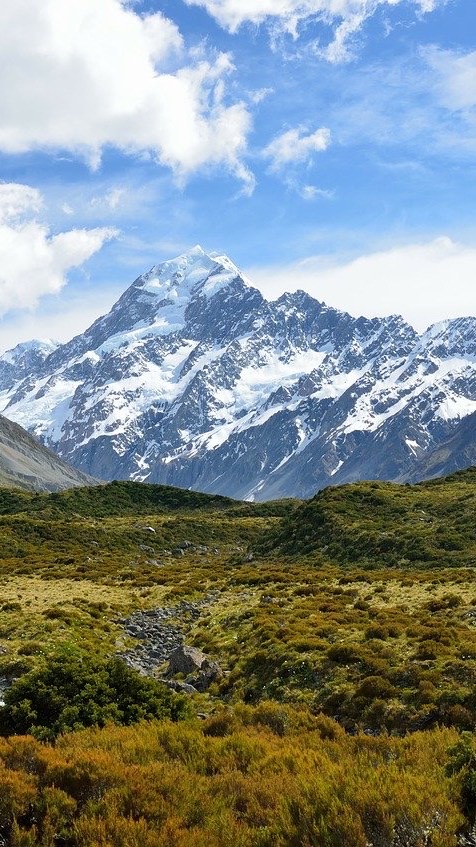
(193, 379)
(27, 464)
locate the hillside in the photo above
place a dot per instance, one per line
(27, 464)
(378, 524)
(355, 583)
(455, 453)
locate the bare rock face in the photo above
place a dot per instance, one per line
(27, 464)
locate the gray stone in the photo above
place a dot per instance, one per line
(209, 673)
(186, 660)
(183, 687)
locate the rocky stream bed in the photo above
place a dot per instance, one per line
(162, 633)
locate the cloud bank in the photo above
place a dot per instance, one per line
(85, 74)
(425, 283)
(32, 261)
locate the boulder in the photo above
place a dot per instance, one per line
(180, 687)
(200, 669)
(186, 660)
(210, 672)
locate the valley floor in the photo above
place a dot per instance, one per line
(345, 709)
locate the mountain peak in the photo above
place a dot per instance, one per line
(188, 276)
(194, 379)
(40, 346)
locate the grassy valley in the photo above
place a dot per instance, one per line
(345, 630)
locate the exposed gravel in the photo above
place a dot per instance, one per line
(160, 631)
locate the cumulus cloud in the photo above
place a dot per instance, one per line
(84, 74)
(17, 200)
(425, 282)
(295, 146)
(344, 16)
(32, 261)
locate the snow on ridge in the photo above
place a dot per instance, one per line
(44, 345)
(51, 407)
(190, 274)
(445, 328)
(363, 416)
(455, 408)
(165, 403)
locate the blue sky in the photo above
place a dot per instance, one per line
(323, 144)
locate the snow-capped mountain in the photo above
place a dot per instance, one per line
(195, 380)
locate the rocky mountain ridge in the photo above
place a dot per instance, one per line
(194, 379)
(26, 464)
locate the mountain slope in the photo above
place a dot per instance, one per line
(27, 464)
(456, 452)
(194, 379)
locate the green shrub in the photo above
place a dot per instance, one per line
(73, 692)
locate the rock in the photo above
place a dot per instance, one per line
(201, 670)
(159, 640)
(210, 672)
(182, 687)
(186, 660)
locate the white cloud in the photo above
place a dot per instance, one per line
(311, 192)
(32, 261)
(425, 101)
(294, 146)
(454, 77)
(261, 94)
(17, 200)
(344, 16)
(61, 321)
(84, 74)
(111, 200)
(425, 282)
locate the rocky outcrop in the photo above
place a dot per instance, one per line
(159, 635)
(186, 660)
